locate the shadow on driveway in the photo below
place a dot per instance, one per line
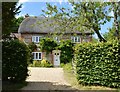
(46, 86)
(43, 86)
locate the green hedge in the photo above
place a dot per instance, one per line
(15, 57)
(98, 63)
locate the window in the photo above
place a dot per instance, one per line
(36, 39)
(37, 55)
(85, 39)
(75, 39)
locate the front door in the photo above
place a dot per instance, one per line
(57, 59)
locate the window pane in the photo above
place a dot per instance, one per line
(36, 56)
(33, 38)
(39, 55)
(36, 39)
(72, 38)
(75, 39)
(78, 39)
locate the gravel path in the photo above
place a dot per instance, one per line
(46, 79)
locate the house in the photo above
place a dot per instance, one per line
(32, 29)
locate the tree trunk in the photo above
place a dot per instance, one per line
(100, 36)
(116, 15)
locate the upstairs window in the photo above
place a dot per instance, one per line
(37, 55)
(75, 39)
(36, 39)
(85, 39)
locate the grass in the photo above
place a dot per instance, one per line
(12, 86)
(71, 78)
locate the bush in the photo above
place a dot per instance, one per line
(36, 63)
(98, 64)
(42, 63)
(15, 57)
(45, 63)
(32, 46)
(66, 48)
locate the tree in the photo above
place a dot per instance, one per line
(110, 34)
(84, 16)
(9, 10)
(17, 22)
(116, 11)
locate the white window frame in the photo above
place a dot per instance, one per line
(73, 39)
(85, 39)
(34, 55)
(36, 39)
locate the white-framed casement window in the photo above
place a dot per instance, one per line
(85, 39)
(36, 39)
(37, 55)
(75, 39)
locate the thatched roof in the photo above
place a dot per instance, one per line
(40, 25)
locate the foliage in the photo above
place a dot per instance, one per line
(36, 63)
(68, 67)
(116, 12)
(66, 48)
(98, 63)
(62, 64)
(110, 35)
(15, 58)
(42, 63)
(32, 46)
(45, 63)
(94, 40)
(9, 10)
(47, 44)
(17, 22)
(86, 15)
(93, 15)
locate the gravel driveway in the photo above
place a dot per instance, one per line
(46, 79)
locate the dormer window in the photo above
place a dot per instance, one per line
(36, 39)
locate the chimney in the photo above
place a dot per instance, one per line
(26, 16)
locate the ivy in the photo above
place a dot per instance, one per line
(47, 44)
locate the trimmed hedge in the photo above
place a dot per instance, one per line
(15, 57)
(98, 63)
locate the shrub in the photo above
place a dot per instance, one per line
(45, 63)
(36, 63)
(32, 46)
(15, 57)
(98, 64)
(66, 48)
(42, 63)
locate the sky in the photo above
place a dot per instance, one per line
(35, 7)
